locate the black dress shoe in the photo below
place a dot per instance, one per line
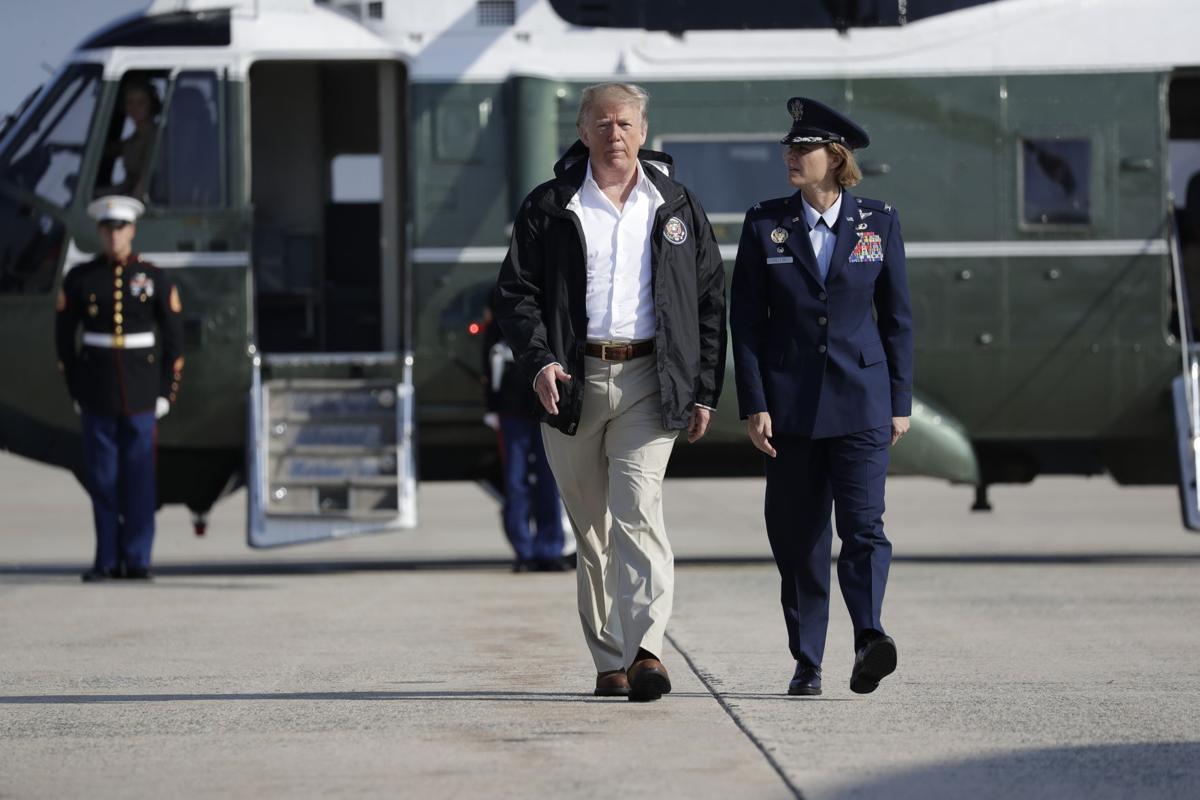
(522, 566)
(874, 661)
(806, 680)
(96, 575)
(138, 574)
(550, 565)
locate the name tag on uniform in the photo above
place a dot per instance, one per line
(779, 260)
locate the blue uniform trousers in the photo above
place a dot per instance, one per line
(119, 464)
(523, 453)
(804, 480)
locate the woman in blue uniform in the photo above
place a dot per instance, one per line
(822, 340)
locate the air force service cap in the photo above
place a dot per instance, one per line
(115, 208)
(817, 123)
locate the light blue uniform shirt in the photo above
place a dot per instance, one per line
(822, 236)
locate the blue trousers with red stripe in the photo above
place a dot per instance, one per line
(523, 453)
(119, 466)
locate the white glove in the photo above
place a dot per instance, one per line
(75, 405)
(492, 420)
(162, 407)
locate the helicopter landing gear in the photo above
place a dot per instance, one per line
(981, 498)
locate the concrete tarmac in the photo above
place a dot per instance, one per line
(1047, 649)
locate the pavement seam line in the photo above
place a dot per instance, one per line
(737, 719)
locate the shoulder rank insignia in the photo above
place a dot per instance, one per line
(779, 235)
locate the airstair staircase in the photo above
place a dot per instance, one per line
(329, 456)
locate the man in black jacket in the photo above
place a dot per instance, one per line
(612, 297)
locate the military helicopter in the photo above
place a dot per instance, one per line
(332, 183)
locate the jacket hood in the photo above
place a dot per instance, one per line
(577, 154)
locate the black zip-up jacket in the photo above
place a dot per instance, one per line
(512, 395)
(540, 293)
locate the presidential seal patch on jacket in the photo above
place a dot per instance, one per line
(674, 231)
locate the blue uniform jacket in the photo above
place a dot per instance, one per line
(812, 353)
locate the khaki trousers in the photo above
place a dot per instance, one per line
(610, 476)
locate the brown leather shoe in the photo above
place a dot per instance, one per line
(648, 680)
(612, 684)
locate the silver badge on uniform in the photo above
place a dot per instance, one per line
(675, 231)
(779, 236)
(141, 284)
(862, 226)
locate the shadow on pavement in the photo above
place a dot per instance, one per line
(1144, 769)
(300, 567)
(429, 694)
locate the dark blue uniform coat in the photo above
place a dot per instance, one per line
(810, 351)
(831, 361)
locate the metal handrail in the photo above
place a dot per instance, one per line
(1189, 350)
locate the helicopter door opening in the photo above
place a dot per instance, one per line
(319, 185)
(1183, 151)
(331, 409)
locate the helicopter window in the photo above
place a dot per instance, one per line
(132, 134)
(704, 15)
(187, 169)
(729, 174)
(1056, 176)
(11, 119)
(356, 178)
(45, 157)
(31, 244)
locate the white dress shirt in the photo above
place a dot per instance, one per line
(620, 298)
(822, 236)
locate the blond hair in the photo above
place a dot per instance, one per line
(848, 174)
(626, 92)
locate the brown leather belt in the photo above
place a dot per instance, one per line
(619, 352)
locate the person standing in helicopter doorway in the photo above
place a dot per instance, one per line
(123, 376)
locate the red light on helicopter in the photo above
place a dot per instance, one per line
(474, 328)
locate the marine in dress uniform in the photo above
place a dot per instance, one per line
(123, 373)
(822, 338)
